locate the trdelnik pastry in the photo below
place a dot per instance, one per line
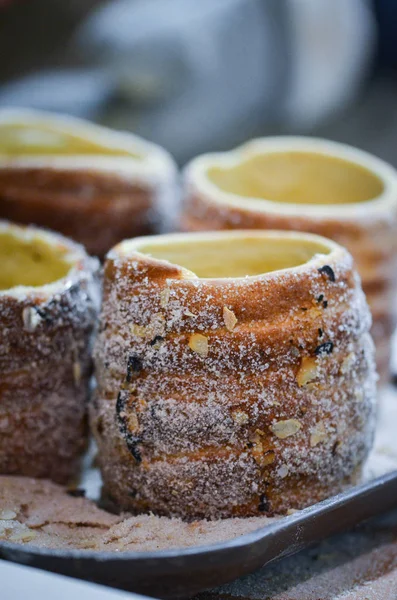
(49, 298)
(308, 185)
(91, 183)
(235, 373)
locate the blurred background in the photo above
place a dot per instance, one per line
(199, 75)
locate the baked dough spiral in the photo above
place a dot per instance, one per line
(91, 183)
(235, 373)
(312, 185)
(49, 299)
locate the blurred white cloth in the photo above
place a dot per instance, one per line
(20, 582)
(194, 75)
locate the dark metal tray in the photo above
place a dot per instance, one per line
(182, 573)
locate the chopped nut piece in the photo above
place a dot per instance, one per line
(87, 543)
(307, 371)
(199, 343)
(317, 434)
(268, 458)
(240, 417)
(138, 330)
(189, 313)
(133, 423)
(284, 429)
(77, 372)
(30, 318)
(261, 453)
(7, 514)
(257, 451)
(164, 297)
(22, 536)
(229, 318)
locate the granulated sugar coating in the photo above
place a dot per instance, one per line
(43, 514)
(367, 228)
(46, 334)
(235, 396)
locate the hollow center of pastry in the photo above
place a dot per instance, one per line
(35, 140)
(299, 178)
(236, 257)
(30, 262)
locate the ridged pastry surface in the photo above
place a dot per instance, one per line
(231, 396)
(368, 229)
(46, 327)
(91, 183)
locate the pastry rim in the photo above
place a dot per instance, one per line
(195, 176)
(75, 256)
(129, 250)
(156, 162)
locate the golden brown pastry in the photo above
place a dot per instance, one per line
(308, 185)
(235, 373)
(93, 184)
(48, 304)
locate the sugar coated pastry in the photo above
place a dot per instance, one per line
(49, 300)
(235, 373)
(91, 183)
(308, 185)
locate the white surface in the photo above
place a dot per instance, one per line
(21, 583)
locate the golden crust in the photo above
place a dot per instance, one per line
(96, 209)
(95, 199)
(367, 229)
(45, 365)
(196, 416)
